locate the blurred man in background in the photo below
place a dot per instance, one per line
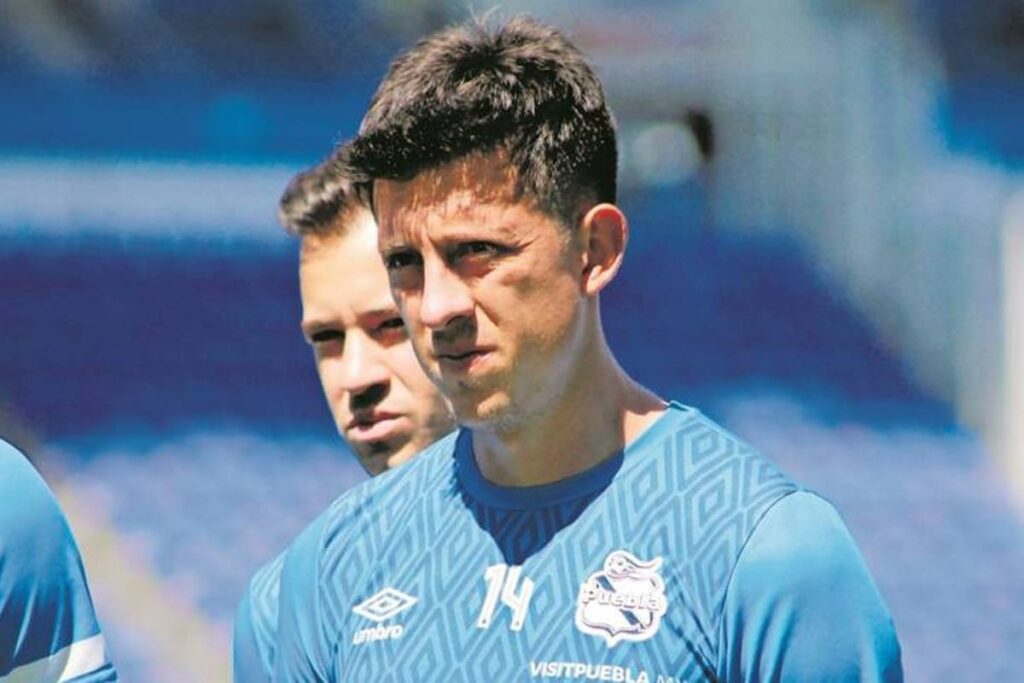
(48, 629)
(382, 403)
(577, 526)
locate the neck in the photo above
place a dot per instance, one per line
(600, 412)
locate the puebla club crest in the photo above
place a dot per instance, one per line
(624, 601)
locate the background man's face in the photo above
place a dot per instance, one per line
(382, 403)
(489, 286)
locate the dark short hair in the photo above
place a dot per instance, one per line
(521, 87)
(316, 197)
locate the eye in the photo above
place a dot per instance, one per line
(402, 258)
(476, 248)
(395, 323)
(325, 336)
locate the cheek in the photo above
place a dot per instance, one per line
(327, 370)
(408, 373)
(408, 308)
(333, 392)
(408, 303)
(545, 304)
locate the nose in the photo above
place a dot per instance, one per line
(445, 297)
(362, 370)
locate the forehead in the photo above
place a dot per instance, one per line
(342, 271)
(453, 188)
(345, 239)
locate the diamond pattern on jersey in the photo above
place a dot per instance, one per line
(426, 661)
(263, 591)
(709, 503)
(691, 495)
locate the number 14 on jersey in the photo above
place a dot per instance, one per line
(503, 583)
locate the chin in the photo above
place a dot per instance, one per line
(380, 456)
(492, 410)
(373, 464)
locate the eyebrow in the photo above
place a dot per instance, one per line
(503, 230)
(396, 248)
(317, 323)
(389, 309)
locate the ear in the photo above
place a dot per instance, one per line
(603, 234)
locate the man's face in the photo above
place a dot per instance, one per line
(489, 286)
(382, 403)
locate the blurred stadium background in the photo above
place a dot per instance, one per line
(832, 187)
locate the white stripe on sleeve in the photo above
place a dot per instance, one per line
(77, 659)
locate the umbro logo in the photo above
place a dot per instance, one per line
(379, 607)
(384, 604)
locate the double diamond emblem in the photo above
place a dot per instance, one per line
(384, 604)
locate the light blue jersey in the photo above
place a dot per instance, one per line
(687, 557)
(48, 630)
(256, 625)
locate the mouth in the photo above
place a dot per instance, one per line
(461, 360)
(373, 427)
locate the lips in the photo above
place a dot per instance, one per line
(461, 358)
(458, 355)
(375, 426)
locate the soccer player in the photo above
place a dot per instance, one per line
(48, 629)
(382, 403)
(576, 526)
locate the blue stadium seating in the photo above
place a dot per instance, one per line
(173, 384)
(170, 383)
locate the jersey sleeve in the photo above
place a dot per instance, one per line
(255, 630)
(302, 651)
(802, 606)
(48, 629)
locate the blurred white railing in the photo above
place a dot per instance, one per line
(825, 128)
(1011, 400)
(162, 198)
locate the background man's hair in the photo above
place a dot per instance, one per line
(521, 87)
(318, 196)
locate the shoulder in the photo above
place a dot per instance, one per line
(263, 591)
(700, 445)
(801, 603)
(340, 546)
(35, 540)
(722, 486)
(255, 626)
(803, 528)
(28, 512)
(801, 543)
(47, 622)
(376, 505)
(369, 509)
(710, 490)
